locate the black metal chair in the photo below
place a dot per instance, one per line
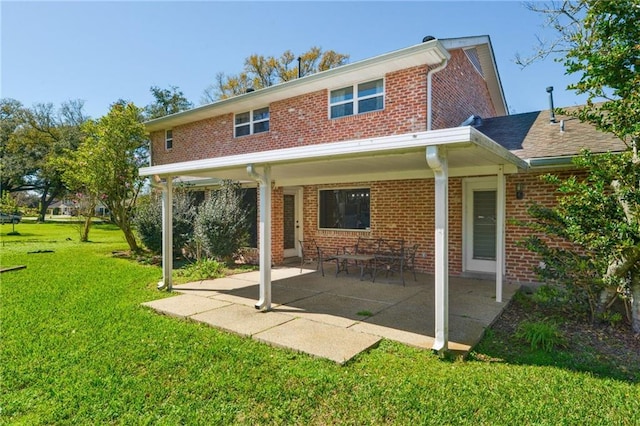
(410, 260)
(390, 258)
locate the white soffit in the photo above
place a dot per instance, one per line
(386, 158)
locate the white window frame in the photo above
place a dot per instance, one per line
(251, 123)
(168, 139)
(356, 98)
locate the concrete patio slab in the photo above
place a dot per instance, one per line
(412, 339)
(335, 317)
(240, 319)
(318, 339)
(184, 305)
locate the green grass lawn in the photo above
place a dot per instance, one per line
(77, 348)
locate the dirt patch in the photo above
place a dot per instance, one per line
(601, 348)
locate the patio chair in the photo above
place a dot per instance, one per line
(312, 253)
(410, 259)
(390, 258)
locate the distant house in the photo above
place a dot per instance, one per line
(414, 144)
(61, 208)
(68, 208)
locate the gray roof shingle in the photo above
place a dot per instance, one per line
(531, 135)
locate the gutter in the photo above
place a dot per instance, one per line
(551, 161)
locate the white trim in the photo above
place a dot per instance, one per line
(469, 185)
(167, 139)
(251, 123)
(500, 233)
(463, 136)
(298, 219)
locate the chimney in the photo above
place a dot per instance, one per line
(552, 115)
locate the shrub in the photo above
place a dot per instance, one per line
(148, 221)
(540, 334)
(203, 269)
(221, 226)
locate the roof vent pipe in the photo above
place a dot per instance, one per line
(552, 116)
(428, 38)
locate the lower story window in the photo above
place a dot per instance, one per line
(344, 208)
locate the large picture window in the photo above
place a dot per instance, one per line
(358, 99)
(344, 208)
(250, 122)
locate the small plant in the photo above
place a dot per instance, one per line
(540, 334)
(203, 269)
(365, 313)
(547, 295)
(613, 318)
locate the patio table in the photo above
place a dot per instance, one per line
(363, 260)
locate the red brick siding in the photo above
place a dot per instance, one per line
(405, 209)
(459, 91)
(520, 261)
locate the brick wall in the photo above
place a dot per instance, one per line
(405, 209)
(459, 91)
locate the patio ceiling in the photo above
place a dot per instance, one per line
(469, 152)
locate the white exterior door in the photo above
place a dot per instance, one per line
(292, 221)
(480, 225)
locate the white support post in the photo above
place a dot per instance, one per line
(167, 235)
(500, 230)
(437, 160)
(264, 182)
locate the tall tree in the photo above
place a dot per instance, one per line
(13, 167)
(107, 163)
(263, 71)
(42, 135)
(600, 41)
(166, 102)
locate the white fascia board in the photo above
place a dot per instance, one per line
(488, 61)
(489, 144)
(428, 53)
(456, 136)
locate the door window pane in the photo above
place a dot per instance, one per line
(484, 225)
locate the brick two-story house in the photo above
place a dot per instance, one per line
(414, 144)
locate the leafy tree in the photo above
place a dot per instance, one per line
(264, 71)
(167, 101)
(601, 213)
(107, 161)
(13, 167)
(42, 134)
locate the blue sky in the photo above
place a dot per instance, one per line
(104, 51)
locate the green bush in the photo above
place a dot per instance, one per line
(148, 221)
(540, 334)
(203, 269)
(221, 226)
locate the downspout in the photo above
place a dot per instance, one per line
(437, 160)
(264, 182)
(440, 67)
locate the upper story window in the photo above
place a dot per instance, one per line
(357, 99)
(250, 122)
(168, 139)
